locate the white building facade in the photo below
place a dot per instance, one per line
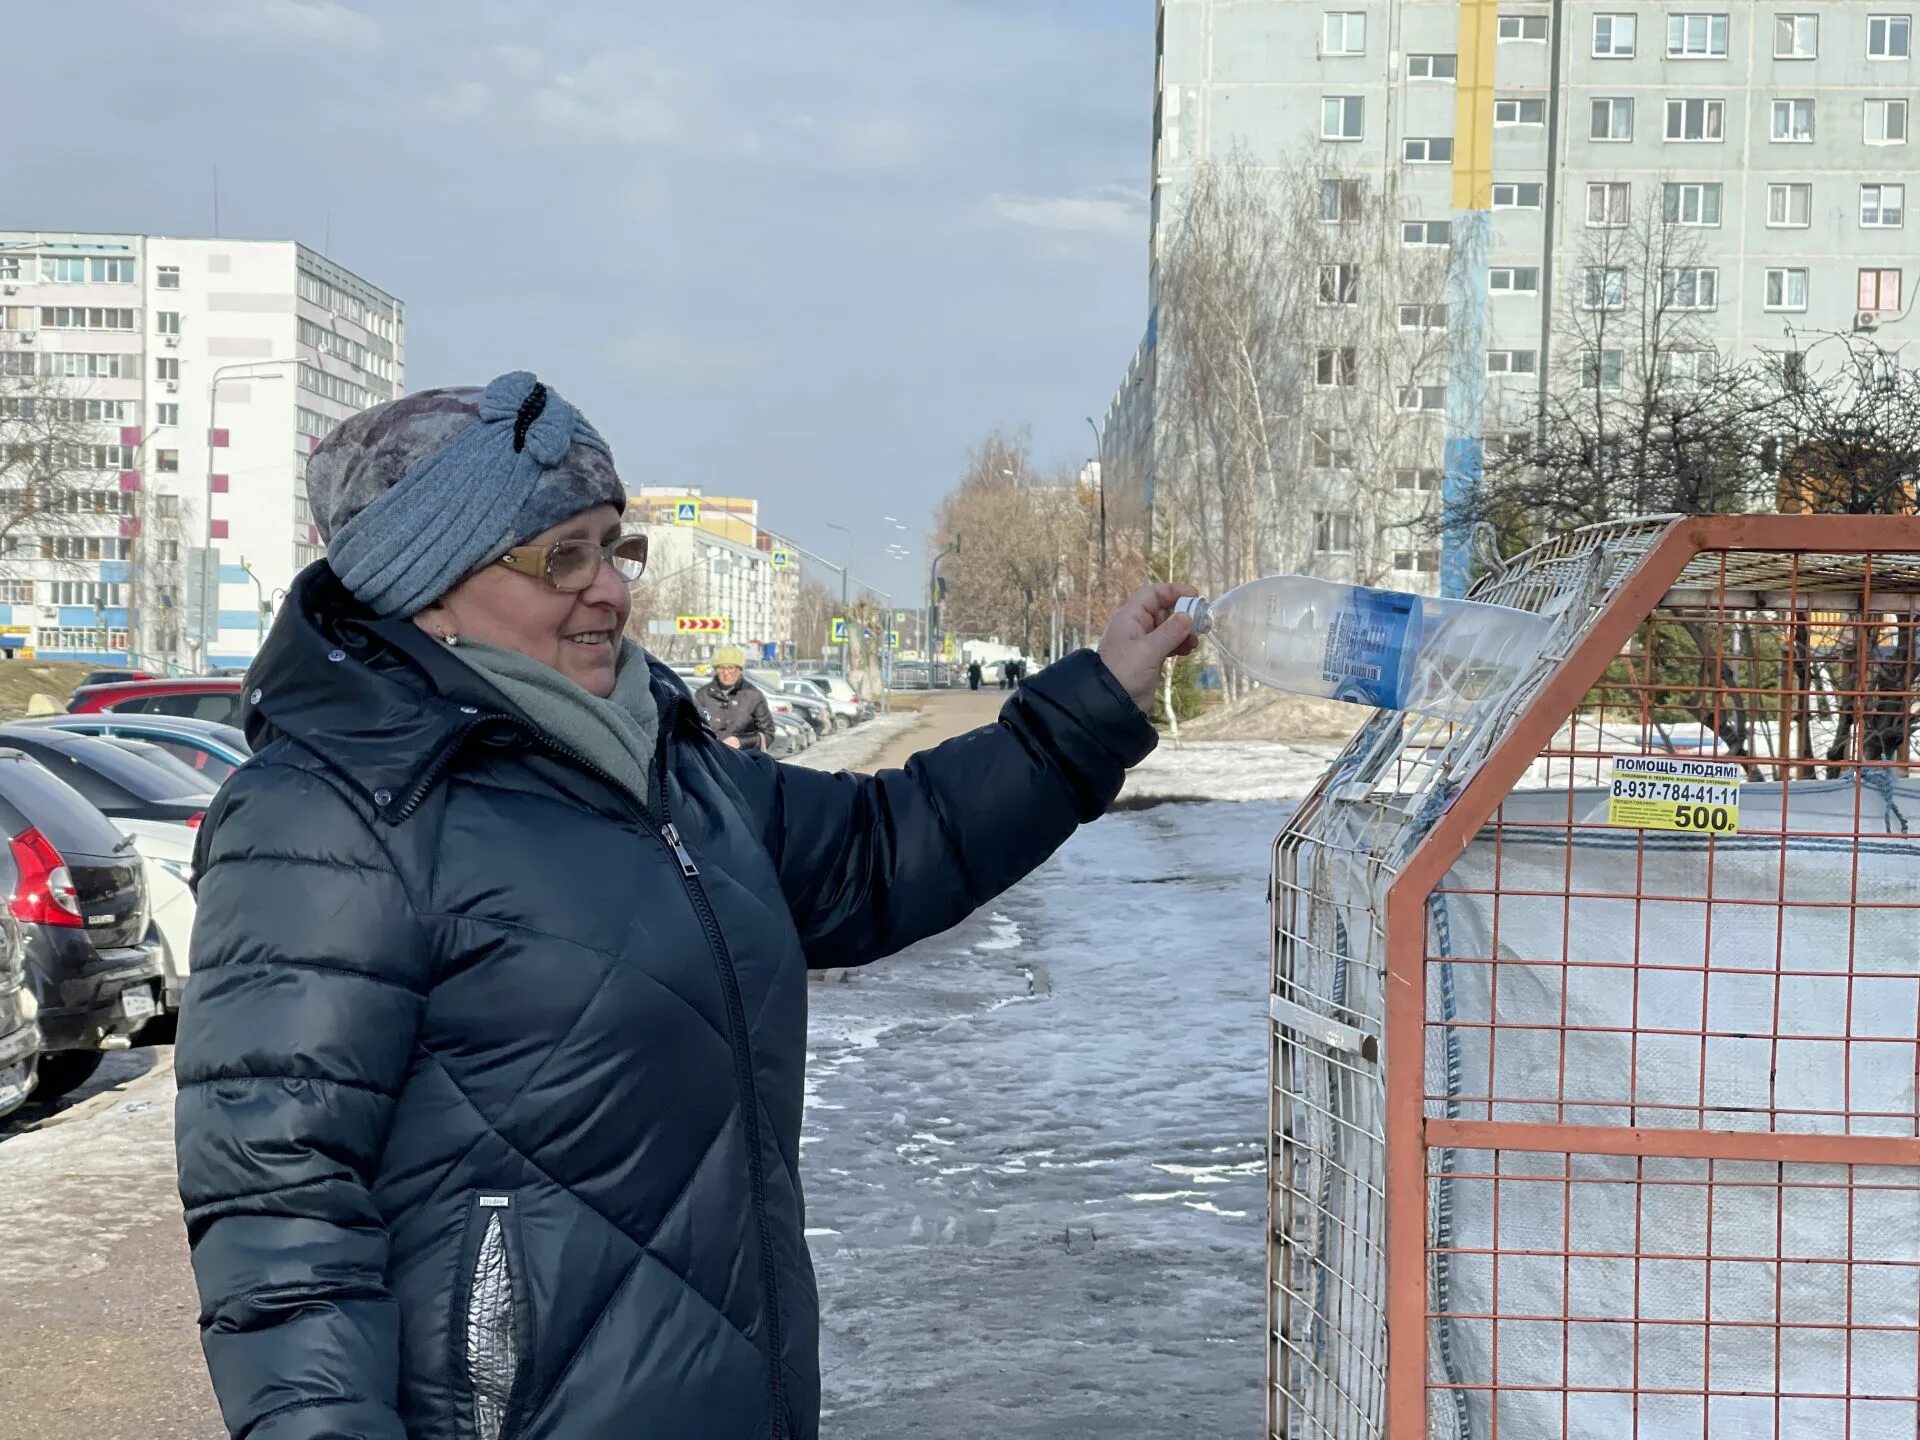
(213, 368)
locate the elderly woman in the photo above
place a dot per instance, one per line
(490, 1069)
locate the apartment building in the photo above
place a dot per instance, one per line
(206, 371)
(1776, 135)
(707, 555)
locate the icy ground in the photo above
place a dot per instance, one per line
(1034, 1147)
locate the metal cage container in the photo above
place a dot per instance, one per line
(1593, 1117)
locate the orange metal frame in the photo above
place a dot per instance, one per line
(1410, 1133)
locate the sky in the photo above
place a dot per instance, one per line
(809, 250)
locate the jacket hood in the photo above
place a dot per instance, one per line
(378, 699)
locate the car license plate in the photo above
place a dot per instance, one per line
(137, 1005)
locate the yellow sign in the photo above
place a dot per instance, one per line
(781, 559)
(839, 631)
(700, 624)
(893, 639)
(1658, 792)
(687, 512)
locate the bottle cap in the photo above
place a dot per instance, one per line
(1198, 609)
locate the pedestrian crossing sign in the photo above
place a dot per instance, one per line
(893, 639)
(839, 631)
(781, 559)
(687, 512)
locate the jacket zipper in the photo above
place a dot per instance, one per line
(669, 834)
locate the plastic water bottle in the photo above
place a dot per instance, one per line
(1382, 648)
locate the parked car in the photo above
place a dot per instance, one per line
(815, 711)
(205, 746)
(204, 697)
(95, 966)
(845, 712)
(842, 690)
(791, 733)
(19, 1025)
(112, 677)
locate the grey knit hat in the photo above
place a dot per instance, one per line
(414, 495)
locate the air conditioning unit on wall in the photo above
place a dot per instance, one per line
(1866, 320)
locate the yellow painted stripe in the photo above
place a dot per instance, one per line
(1473, 113)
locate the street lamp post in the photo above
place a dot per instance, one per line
(933, 599)
(844, 574)
(1100, 459)
(210, 584)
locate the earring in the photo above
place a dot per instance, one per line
(451, 638)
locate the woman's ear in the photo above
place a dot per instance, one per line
(437, 620)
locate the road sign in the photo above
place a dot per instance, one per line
(687, 512)
(782, 559)
(203, 594)
(700, 624)
(660, 627)
(839, 631)
(893, 639)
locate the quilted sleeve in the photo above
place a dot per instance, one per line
(309, 972)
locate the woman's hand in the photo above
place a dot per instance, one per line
(731, 742)
(1143, 636)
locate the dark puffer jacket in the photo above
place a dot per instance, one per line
(490, 1083)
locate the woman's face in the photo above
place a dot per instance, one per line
(577, 634)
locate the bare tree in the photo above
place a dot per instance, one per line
(1021, 531)
(60, 458)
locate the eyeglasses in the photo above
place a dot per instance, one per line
(571, 565)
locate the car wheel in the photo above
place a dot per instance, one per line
(63, 1071)
(840, 722)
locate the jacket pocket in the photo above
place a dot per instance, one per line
(489, 1323)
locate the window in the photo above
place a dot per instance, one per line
(1609, 203)
(1696, 37)
(334, 387)
(1796, 37)
(1423, 397)
(1883, 207)
(110, 271)
(1789, 207)
(166, 507)
(1612, 119)
(1423, 317)
(1613, 37)
(1793, 122)
(1517, 197)
(1339, 284)
(1425, 478)
(1427, 232)
(167, 367)
(1433, 67)
(1429, 150)
(1417, 562)
(1344, 32)
(1690, 287)
(1519, 112)
(312, 423)
(84, 317)
(1331, 450)
(62, 270)
(67, 366)
(1514, 280)
(9, 267)
(1786, 289)
(1880, 290)
(1602, 369)
(1889, 37)
(1332, 531)
(1886, 122)
(1604, 287)
(166, 415)
(1523, 27)
(1507, 445)
(1334, 367)
(1686, 369)
(16, 592)
(1696, 120)
(1690, 204)
(1513, 362)
(87, 592)
(166, 277)
(1342, 117)
(166, 462)
(1341, 201)
(166, 322)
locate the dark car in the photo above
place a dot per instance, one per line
(80, 897)
(111, 677)
(213, 750)
(19, 1030)
(204, 697)
(113, 777)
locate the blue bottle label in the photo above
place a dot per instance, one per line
(1368, 647)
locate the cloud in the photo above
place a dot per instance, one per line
(307, 21)
(624, 98)
(1110, 210)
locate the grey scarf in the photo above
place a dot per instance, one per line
(617, 734)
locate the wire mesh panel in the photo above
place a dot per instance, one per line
(1635, 945)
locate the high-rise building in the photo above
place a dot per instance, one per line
(709, 556)
(197, 376)
(1772, 139)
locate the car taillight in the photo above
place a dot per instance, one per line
(193, 820)
(44, 894)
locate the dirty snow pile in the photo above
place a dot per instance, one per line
(1227, 770)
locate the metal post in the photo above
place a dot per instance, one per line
(205, 646)
(847, 648)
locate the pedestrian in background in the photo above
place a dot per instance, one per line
(735, 711)
(973, 675)
(490, 1069)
